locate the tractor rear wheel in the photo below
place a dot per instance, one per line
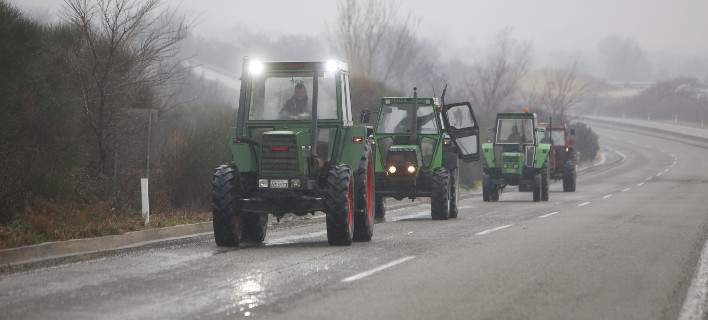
(569, 178)
(537, 187)
(364, 204)
(440, 200)
(454, 192)
(338, 188)
(226, 189)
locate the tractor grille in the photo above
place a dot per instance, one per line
(278, 153)
(509, 162)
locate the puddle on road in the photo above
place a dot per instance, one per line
(248, 292)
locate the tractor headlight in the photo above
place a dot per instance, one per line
(392, 169)
(255, 67)
(567, 149)
(263, 183)
(295, 183)
(411, 169)
(332, 66)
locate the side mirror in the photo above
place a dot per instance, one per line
(365, 116)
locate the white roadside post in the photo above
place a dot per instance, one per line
(145, 200)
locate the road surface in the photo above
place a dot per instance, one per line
(626, 245)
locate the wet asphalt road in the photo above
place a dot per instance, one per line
(624, 246)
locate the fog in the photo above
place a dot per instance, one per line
(671, 32)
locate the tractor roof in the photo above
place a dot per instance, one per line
(516, 115)
(303, 65)
(556, 126)
(422, 101)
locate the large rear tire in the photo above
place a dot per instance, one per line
(364, 204)
(226, 189)
(486, 188)
(454, 192)
(440, 200)
(338, 188)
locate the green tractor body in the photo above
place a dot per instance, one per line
(515, 157)
(295, 150)
(418, 144)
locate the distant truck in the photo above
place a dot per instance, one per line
(563, 160)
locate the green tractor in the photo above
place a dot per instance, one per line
(516, 157)
(295, 150)
(419, 142)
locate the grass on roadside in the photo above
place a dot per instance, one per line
(46, 221)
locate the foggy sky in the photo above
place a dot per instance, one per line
(677, 26)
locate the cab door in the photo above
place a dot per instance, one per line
(461, 124)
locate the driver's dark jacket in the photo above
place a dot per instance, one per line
(295, 106)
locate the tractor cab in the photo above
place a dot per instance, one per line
(418, 144)
(296, 150)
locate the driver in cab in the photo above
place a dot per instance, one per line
(297, 106)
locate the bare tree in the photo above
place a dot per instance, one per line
(562, 90)
(495, 77)
(377, 38)
(124, 53)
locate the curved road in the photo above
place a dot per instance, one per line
(625, 246)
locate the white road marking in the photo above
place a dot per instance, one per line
(293, 238)
(365, 274)
(419, 214)
(584, 204)
(622, 155)
(694, 306)
(488, 231)
(465, 207)
(666, 170)
(640, 184)
(549, 214)
(607, 196)
(626, 189)
(659, 174)
(647, 179)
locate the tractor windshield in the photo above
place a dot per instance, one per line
(395, 119)
(288, 96)
(558, 136)
(515, 131)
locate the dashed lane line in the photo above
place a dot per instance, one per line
(488, 231)
(607, 196)
(380, 268)
(584, 204)
(549, 214)
(640, 184)
(626, 189)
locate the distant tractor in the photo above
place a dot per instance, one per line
(515, 157)
(418, 143)
(563, 161)
(295, 150)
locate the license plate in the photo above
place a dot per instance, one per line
(279, 184)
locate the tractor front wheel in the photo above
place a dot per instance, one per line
(364, 205)
(440, 200)
(226, 189)
(569, 178)
(545, 173)
(537, 187)
(380, 214)
(454, 192)
(338, 189)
